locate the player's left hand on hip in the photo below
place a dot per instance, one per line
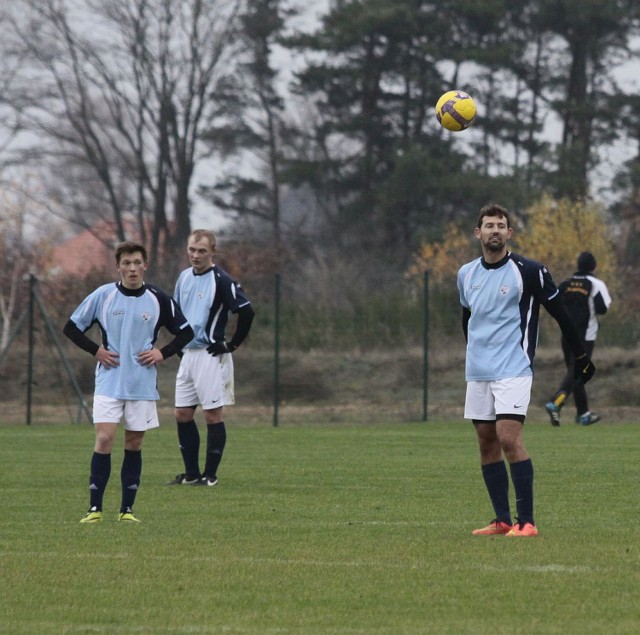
(220, 348)
(584, 368)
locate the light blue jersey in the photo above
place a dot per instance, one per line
(504, 300)
(206, 299)
(129, 320)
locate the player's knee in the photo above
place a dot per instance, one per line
(213, 415)
(184, 415)
(514, 450)
(490, 449)
(133, 440)
(104, 444)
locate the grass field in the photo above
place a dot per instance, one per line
(321, 529)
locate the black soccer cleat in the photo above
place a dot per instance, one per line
(183, 479)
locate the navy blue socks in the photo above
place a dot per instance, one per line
(130, 478)
(496, 479)
(189, 439)
(522, 477)
(98, 479)
(216, 440)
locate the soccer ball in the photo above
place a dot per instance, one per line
(455, 110)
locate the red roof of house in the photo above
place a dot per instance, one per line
(84, 252)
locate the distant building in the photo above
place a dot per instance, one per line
(91, 250)
(84, 253)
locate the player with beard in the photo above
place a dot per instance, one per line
(501, 293)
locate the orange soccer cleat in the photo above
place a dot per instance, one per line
(495, 527)
(523, 529)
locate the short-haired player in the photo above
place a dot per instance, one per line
(501, 293)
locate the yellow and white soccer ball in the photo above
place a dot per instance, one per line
(455, 110)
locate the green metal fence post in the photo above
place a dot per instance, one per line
(425, 347)
(82, 403)
(32, 285)
(276, 358)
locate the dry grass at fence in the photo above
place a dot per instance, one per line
(330, 386)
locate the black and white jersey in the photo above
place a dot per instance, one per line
(585, 297)
(206, 299)
(504, 300)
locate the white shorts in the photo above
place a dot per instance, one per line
(204, 379)
(139, 416)
(509, 396)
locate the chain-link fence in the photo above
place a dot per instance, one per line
(385, 356)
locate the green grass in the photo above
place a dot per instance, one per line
(321, 530)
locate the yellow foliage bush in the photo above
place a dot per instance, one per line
(550, 231)
(556, 232)
(442, 259)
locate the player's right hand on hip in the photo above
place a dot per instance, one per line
(584, 368)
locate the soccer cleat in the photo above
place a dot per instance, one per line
(207, 481)
(526, 530)
(495, 527)
(587, 418)
(183, 479)
(128, 517)
(554, 413)
(92, 516)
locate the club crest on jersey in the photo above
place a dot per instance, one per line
(146, 316)
(504, 290)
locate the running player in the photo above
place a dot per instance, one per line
(586, 297)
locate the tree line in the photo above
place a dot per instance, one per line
(318, 140)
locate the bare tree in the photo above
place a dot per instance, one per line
(25, 246)
(118, 93)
